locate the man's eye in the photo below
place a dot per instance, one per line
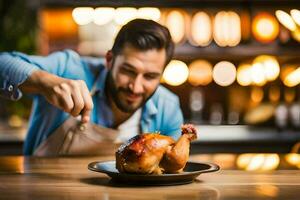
(150, 77)
(127, 71)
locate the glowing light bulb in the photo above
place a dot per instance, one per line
(103, 15)
(201, 29)
(270, 66)
(227, 29)
(296, 16)
(149, 13)
(257, 74)
(224, 73)
(175, 73)
(200, 73)
(244, 74)
(265, 27)
(175, 21)
(124, 15)
(83, 15)
(293, 78)
(286, 20)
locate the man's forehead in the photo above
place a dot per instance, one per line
(154, 58)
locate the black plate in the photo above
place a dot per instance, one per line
(190, 172)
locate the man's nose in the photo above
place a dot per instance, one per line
(136, 85)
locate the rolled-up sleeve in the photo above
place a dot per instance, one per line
(16, 67)
(13, 72)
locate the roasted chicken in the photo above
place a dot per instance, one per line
(153, 153)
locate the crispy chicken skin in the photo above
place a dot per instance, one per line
(152, 153)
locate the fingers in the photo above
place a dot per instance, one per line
(88, 103)
(74, 97)
(64, 97)
(85, 116)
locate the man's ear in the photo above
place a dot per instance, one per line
(109, 59)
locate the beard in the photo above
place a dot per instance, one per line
(118, 95)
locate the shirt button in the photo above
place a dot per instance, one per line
(10, 88)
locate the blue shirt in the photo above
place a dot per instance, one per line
(160, 113)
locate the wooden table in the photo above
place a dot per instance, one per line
(69, 178)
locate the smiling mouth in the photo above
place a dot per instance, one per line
(131, 97)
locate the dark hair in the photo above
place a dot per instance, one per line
(144, 35)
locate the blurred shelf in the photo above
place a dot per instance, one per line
(211, 139)
(243, 139)
(242, 133)
(238, 53)
(13, 135)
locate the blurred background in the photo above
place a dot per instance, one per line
(236, 67)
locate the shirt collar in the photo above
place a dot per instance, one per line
(150, 108)
(100, 81)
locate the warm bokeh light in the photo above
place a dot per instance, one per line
(274, 94)
(271, 162)
(175, 21)
(270, 191)
(15, 164)
(264, 68)
(201, 29)
(200, 73)
(243, 76)
(286, 20)
(175, 73)
(286, 70)
(15, 121)
(265, 27)
(296, 16)
(261, 113)
(224, 73)
(270, 65)
(149, 13)
(125, 14)
(258, 162)
(96, 40)
(58, 23)
(83, 15)
(296, 35)
(103, 15)
(257, 74)
(289, 95)
(227, 29)
(257, 94)
(243, 160)
(255, 163)
(293, 78)
(293, 158)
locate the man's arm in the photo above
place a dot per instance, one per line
(41, 75)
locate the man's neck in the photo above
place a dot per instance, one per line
(119, 116)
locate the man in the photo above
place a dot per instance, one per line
(126, 85)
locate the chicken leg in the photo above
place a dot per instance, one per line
(176, 156)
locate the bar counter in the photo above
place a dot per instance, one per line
(68, 178)
(212, 139)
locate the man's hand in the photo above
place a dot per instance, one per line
(72, 96)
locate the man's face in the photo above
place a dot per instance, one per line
(134, 76)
